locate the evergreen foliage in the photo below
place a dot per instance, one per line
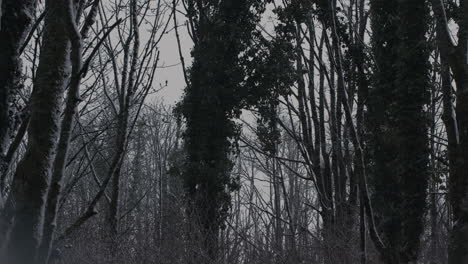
(398, 124)
(234, 67)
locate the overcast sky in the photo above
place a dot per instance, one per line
(170, 69)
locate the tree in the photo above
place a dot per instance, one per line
(32, 177)
(398, 126)
(234, 67)
(213, 98)
(16, 17)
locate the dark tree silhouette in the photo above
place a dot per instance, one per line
(398, 125)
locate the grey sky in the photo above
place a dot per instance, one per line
(170, 69)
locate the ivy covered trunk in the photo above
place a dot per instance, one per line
(234, 67)
(398, 125)
(221, 31)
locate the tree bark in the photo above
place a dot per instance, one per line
(16, 18)
(32, 178)
(55, 191)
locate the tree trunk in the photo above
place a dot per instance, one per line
(55, 191)
(16, 18)
(32, 178)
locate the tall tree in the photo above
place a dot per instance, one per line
(234, 67)
(398, 125)
(222, 30)
(32, 178)
(66, 127)
(16, 18)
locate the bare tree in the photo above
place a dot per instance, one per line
(32, 177)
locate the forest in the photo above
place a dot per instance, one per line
(234, 131)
